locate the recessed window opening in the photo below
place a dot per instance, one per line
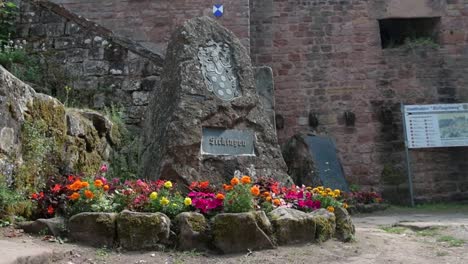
(395, 32)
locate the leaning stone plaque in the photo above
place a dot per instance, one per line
(206, 120)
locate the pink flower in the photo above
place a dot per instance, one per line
(103, 168)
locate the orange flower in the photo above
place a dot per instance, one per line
(220, 196)
(331, 209)
(255, 190)
(268, 199)
(106, 187)
(345, 205)
(74, 196)
(245, 179)
(98, 183)
(277, 202)
(84, 184)
(204, 184)
(89, 194)
(227, 187)
(75, 186)
(234, 181)
(266, 194)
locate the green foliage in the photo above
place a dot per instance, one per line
(8, 14)
(126, 156)
(39, 155)
(421, 42)
(239, 199)
(167, 202)
(13, 204)
(429, 232)
(19, 63)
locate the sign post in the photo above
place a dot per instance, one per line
(433, 126)
(408, 158)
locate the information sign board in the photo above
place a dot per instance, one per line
(438, 125)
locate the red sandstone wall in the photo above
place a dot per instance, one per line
(327, 59)
(152, 21)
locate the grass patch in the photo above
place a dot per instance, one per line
(451, 241)
(393, 229)
(430, 232)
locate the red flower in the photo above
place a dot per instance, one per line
(204, 184)
(71, 178)
(50, 210)
(41, 195)
(103, 168)
(34, 196)
(56, 188)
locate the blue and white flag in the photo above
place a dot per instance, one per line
(218, 10)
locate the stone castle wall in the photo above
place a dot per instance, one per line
(327, 58)
(101, 68)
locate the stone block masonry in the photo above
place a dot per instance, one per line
(151, 22)
(101, 68)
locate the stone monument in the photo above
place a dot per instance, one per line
(207, 121)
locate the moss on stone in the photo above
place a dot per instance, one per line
(324, 229)
(198, 223)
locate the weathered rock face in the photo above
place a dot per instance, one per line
(344, 225)
(207, 83)
(39, 136)
(234, 233)
(138, 231)
(325, 223)
(292, 226)
(192, 231)
(52, 226)
(299, 161)
(94, 229)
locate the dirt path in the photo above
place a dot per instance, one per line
(390, 237)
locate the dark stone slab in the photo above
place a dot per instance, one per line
(207, 82)
(227, 142)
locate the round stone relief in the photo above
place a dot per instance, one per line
(217, 70)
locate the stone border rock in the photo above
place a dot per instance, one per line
(225, 233)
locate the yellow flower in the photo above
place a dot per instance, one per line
(331, 209)
(168, 184)
(164, 201)
(315, 190)
(153, 196)
(337, 192)
(320, 188)
(345, 205)
(187, 201)
(328, 190)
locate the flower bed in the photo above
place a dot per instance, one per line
(262, 207)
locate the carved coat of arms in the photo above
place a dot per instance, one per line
(217, 70)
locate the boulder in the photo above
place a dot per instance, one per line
(140, 231)
(325, 224)
(344, 225)
(94, 229)
(192, 229)
(292, 226)
(52, 226)
(300, 163)
(240, 232)
(206, 121)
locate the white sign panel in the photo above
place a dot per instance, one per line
(432, 126)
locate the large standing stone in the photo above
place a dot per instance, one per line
(292, 226)
(234, 233)
(344, 225)
(94, 229)
(208, 82)
(138, 231)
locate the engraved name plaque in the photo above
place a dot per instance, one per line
(225, 142)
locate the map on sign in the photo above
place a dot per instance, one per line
(432, 126)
